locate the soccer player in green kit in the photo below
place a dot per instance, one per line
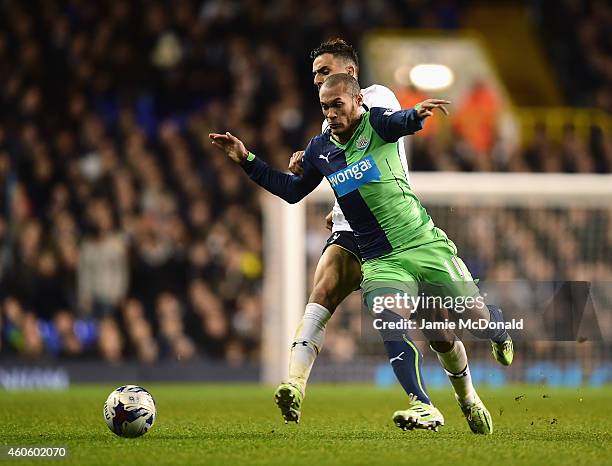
(398, 242)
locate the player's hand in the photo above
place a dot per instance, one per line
(231, 145)
(295, 163)
(329, 222)
(425, 109)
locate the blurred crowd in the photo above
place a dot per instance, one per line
(578, 40)
(123, 233)
(519, 252)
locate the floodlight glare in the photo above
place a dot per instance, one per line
(431, 77)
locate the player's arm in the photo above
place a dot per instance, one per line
(391, 125)
(291, 188)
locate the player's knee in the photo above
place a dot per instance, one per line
(326, 294)
(441, 346)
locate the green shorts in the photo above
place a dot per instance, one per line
(429, 265)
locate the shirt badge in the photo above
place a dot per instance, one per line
(362, 143)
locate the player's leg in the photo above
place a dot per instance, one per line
(450, 351)
(453, 359)
(455, 364)
(443, 269)
(385, 278)
(339, 260)
(338, 274)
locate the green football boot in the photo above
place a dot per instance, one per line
(418, 416)
(288, 398)
(477, 416)
(503, 352)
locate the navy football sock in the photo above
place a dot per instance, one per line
(406, 360)
(497, 335)
(404, 357)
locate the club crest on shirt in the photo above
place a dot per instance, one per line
(362, 143)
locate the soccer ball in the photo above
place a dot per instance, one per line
(129, 411)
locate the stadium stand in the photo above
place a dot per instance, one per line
(124, 235)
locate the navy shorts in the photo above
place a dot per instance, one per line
(346, 240)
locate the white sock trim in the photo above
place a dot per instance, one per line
(312, 327)
(307, 343)
(455, 364)
(317, 313)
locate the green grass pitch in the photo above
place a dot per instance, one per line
(341, 424)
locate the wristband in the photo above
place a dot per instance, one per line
(250, 157)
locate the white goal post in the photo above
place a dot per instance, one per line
(284, 227)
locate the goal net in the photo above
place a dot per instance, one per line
(507, 227)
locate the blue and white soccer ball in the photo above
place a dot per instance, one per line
(129, 411)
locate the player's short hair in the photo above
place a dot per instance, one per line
(338, 48)
(350, 84)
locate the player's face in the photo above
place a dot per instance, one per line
(325, 65)
(341, 110)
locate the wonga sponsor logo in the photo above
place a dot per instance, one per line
(354, 176)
